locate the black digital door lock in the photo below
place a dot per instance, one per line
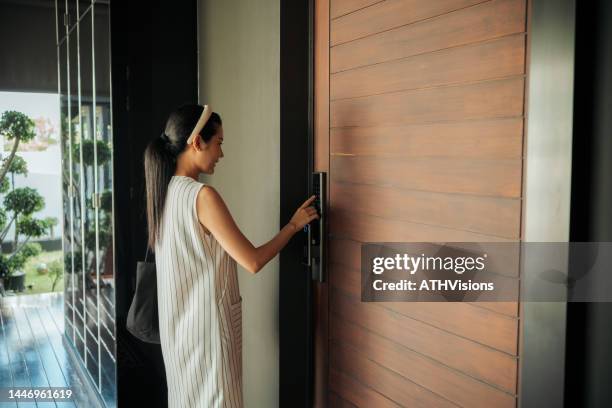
(316, 242)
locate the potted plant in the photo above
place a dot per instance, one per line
(19, 205)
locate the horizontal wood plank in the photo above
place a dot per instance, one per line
(491, 366)
(487, 215)
(339, 8)
(481, 22)
(500, 178)
(484, 139)
(367, 228)
(463, 390)
(507, 308)
(484, 100)
(406, 393)
(390, 14)
(499, 58)
(357, 393)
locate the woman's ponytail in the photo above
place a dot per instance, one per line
(159, 167)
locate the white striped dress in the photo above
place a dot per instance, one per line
(199, 302)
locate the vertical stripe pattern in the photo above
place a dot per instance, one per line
(200, 307)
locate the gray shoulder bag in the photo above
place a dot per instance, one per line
(142, 318)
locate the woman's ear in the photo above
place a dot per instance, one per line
(197, 143)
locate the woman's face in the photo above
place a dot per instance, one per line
(209, 153)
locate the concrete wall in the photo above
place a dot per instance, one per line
(547, 174)
(239, 51)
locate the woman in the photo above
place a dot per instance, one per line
(197, 244)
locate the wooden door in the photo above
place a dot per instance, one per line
(419, 121)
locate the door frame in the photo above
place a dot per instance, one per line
(296, 323)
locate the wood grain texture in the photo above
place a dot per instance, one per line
(484, 100)
(463, 319)
(500, 178)
(462, 389)
(507, 308)
(425, 142)
(476, 360)
(486, 215)
(482, 22)
(390, 14)
(484, 139)
(341, 7)
(493, 59)
(357, 393)
(386, 382)
(321, 86)
(367, 228)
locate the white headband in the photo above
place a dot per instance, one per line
(201, 122)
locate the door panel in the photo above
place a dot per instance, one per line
(419, 122)
(85, 104)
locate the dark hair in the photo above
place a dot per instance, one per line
(160, 159)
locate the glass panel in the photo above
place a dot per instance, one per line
(70, 7)
(76, 227)
(85, 94)
(104, 205)
(88, 187)
(60, 10)
(68, 210)
(73, 8)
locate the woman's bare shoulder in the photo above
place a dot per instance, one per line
(209, 195)
(211, 207)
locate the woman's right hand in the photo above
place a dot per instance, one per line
(304, 214)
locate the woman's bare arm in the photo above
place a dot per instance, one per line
(214, 215)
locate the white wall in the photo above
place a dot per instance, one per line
(239, 57)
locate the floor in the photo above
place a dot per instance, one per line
(32, 353)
